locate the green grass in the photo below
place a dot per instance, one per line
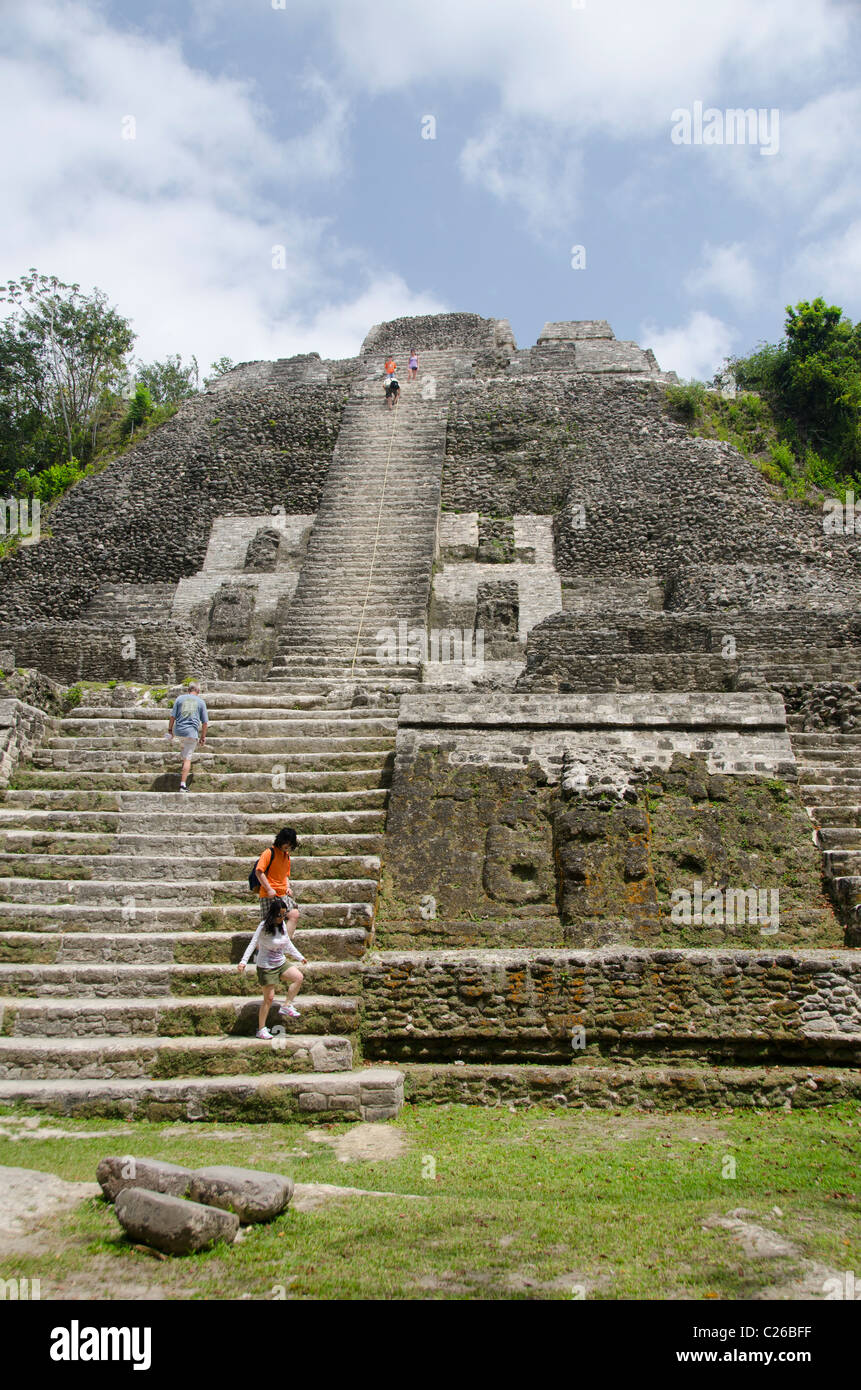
(525, 1204)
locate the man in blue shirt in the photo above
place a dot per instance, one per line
(188, 720)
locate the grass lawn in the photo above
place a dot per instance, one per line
(535, 1203)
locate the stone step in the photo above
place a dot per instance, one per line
(815, 739)
(370, 1094)
(339, 892)
(201, 780)
(304, 748)
(840, 837)
(127, 981)
(834, 803)
(829, 756)
(344, 875)
(229, 842)
(842, 862)
(210, 760)
(130, 913)
(270, 722)
(173, 1016)
(828, 776)
(105, 1059)
(166, 947)
(192, 809)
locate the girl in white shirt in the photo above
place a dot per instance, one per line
(272, 940)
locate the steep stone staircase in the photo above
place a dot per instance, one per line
(829, 765)
(124, 907)
(370, 555)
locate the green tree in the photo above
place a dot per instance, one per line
(139, 411)
(812, 381)
(224, 364)
(62, 362)
(170, 381)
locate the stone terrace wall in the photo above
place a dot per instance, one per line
(524, 1006)
(430, 331)
(75, 651)
(147, 517)
(656, 502)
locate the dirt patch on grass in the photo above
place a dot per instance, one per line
(620, 1129)
(808, 1279)
(308, 1196)
(364, 1143)
(27, 1198)
(31, 1127)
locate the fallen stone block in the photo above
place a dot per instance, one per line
(172, 1224)
(252, 1195)
(115, 1174)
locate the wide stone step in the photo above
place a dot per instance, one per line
(833, 804)
(126, 981)
(323, 874)
(253, 809)
(842, 861)
(170, 948)
(823, 775)
(203, 779)
(211, 761)
(239, 723)
(840, 837)
(59, 842)
(300, 749)
(104, 1059)
(131, 913)
(53, 891)
(827, 738)
(371, 1094)
(829, 756)
(173, 1016)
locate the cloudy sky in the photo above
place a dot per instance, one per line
(164, 151)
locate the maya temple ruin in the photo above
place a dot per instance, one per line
(563, 702)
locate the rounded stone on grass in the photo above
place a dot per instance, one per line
(170, 1223)
(252, 1195)
(114, 1174)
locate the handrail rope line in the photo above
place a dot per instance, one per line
(377, 536)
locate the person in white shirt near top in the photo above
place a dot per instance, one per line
(273, 941)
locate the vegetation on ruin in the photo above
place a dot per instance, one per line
(71, 396)
(798, 412)
(524, 1204)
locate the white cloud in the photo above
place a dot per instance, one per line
(527, 164)
(693, 349)
(726, 270)
(830, 267)
(178, 224)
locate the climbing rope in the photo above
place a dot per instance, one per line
(397, 407)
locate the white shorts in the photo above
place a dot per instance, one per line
(189, 743)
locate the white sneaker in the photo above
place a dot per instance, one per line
(264, 1034)
(289, 1011)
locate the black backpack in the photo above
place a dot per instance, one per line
(253, 880)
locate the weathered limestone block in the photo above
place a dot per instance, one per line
(172, 1224)
(262, 553)
(251, 1194)
(115, 1174)
(230, 613)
